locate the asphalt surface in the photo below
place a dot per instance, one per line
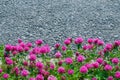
(55, 20)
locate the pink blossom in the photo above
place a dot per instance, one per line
(5, 76)
(64, 48)
(61, 70)
(57, 45)
(83, 69)
(77, 53)
(110, 78)
(117, 74)
(85, 47)
(60, 62)
(9, 61)
(39, 65)
(95, 64)
(31, 78)
(51, 77)
(25, 63)
(20, 40)
(20, 49)
(48, 48)
(115, 60)
(1, 70)
(16, 70)
(117, 43)
(100, 43)
(67, 42)
(14, 48)
(21, 68)
(46, 73)
(41, 71)
(90, 46)
(105, 50)
(80, 58)
(38, 42)
(70, 71)
(78, 40)
(58, 55)
(8, 47)
(44, 49)
(29, 44)
(39, 77)
(90, 40)
(68, 60)
(69, 38)
(94, 78)
(63, 77)
(100, 60)
(22, 44)
(89, 66)
(24, 73)
(101, 53)
(14, 52)
(52, 66)
(117, 67)
(104, 63)
(35, 50)
(108, 67)
(108, 46)
(32, 57)
(96, 40)
(26, 48)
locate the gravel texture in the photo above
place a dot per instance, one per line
(55, 20)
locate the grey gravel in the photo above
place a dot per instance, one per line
(55, 20)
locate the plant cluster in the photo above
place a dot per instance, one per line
(91, 60)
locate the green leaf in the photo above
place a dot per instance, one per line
(69, 53)
(1, 50)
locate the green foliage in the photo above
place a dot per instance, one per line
(1, 50)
